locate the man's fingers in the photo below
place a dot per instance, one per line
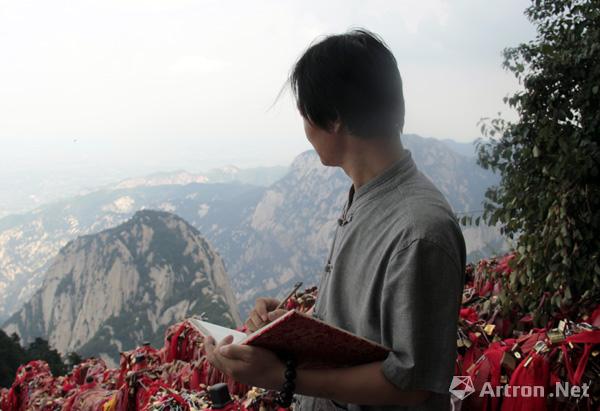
(272, 303)
(261, 309)
(212, 349)
(253, 322)
(264, 305)
(209, 344)
(249, 326)
(236, 352)
(273, 315)
(257, 319)
(260, 315)
(225, 341)
(211, 353)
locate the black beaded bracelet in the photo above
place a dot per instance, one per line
(286, 395)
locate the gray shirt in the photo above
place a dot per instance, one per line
(395, 276)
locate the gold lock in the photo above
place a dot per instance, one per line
(489, 329)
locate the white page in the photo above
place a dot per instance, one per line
(218, 332)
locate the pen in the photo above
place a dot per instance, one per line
(285, 300)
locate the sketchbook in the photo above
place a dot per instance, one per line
(311, 341)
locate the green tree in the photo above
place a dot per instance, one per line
(547, 200)
(73, 359)
(11, 356)
(41, 350)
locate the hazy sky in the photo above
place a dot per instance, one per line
(179, 79)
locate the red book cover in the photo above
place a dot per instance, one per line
(315, 343)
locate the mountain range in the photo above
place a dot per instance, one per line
(110, 291)
(268, 236)
(23, 190)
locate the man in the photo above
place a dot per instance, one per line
(396, 267)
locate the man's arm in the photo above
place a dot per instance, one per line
(419, 310)
(363, 384)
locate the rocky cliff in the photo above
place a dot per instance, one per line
(110, 291)
(268, 236)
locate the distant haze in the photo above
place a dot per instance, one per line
(118, 88)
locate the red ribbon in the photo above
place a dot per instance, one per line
(588, 339)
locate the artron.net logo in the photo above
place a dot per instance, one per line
(462, 386)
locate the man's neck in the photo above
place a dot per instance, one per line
(367, 159)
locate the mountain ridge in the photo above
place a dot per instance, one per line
(253, 227)
(108, 291)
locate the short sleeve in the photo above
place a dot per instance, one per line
(420, 305)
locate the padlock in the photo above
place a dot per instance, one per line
(555, 335)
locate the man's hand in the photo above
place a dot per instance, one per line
(265, 310)
(246, 364)
(361, 384)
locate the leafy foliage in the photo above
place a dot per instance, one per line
(547, 200)
(12, 355)
(39, 349)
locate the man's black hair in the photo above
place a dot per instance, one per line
(351, 77)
